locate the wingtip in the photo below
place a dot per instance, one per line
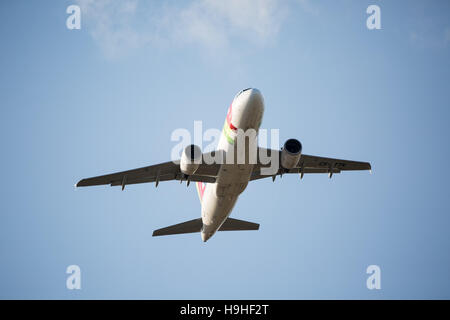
(78, 184)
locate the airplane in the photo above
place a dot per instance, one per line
(220, 183)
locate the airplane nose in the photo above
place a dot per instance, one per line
(248, 109)
(255, 93)
(255, 103)
(252, 98)
(252, 95)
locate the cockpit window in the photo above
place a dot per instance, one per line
(241, 92)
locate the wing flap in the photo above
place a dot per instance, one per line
(165, 171)
(130, 175)
(256, 174)
(165, 177)
(307, 164)
(321, 162)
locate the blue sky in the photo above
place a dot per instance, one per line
(78, 103)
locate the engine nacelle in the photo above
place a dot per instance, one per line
(291, 153)
(190, 159)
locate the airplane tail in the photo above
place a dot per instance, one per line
(196, 225)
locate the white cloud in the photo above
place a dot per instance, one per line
(118, 26)
(109, 23)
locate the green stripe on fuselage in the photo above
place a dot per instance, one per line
(227, 133)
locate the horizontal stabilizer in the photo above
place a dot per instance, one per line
(234, 225)
(195, 225)
(190, 226)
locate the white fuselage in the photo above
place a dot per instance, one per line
(219, 198)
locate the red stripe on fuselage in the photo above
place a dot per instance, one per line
(201, 189)
(229, 118)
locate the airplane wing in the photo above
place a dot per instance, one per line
(309, 164)
(160, 172)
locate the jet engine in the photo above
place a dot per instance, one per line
(290, 153)
(190, 159)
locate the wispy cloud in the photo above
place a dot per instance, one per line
(111, 24)
(119, 26)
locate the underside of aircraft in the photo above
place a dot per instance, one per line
(220, 182)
